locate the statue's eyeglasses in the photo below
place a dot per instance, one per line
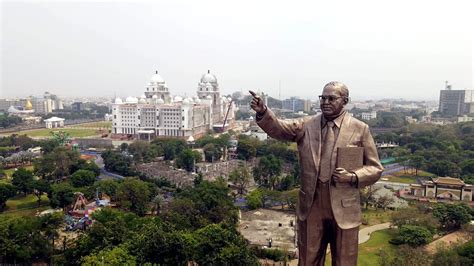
(330, 98)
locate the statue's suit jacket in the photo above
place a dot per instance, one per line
(345, 198)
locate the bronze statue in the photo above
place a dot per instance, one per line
(329, 203)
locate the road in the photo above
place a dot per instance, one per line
(100, 162)
(392, 168)
(364, 233)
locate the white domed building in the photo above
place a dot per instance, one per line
(157, 114)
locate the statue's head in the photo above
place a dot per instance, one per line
(333, 99)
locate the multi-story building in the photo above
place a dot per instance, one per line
(157, 114)
(5, 104)
(456, 102)
(294, 104)
(368, 115)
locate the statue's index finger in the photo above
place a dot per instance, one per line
(253, 94)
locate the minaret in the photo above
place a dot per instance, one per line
(209, 87)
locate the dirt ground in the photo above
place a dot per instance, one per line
(447, 240)
(259, 226)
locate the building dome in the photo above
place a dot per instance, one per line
(197, 101)
(156, 78)
(229, 99)
(178, 99)
(208, 77)
(160, 101)
(142, 100)
(143, 96)
(118, 101)
(209, 97)
(154, 96)
(186, 101)
(131, 99)
(28, 105)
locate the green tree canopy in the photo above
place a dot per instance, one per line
(114, 256)
(6, 191)
(62, 195)
(452, 216)
(82, 178)
(22, 179)
(187, 159)
(134, 195)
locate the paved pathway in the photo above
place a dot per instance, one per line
(364, 233)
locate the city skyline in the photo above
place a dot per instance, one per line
(107, 49)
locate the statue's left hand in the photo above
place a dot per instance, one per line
(341, 175)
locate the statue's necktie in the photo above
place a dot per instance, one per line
(326, 153)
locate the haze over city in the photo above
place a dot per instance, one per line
(380, 50)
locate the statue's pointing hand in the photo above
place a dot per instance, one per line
(257, 103)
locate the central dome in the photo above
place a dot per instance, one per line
(157, 78)
(208, 77)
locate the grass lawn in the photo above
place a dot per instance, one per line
(23, 202)
(407, 177)
(9, 173)
(101, 124)
(368, 251)
(25, 205)
(73, 132)
(376, 216)
(401, 179)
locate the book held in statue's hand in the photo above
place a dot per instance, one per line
(350, 158)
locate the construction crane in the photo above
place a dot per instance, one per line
(226, 114)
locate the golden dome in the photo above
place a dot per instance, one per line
(28, 105)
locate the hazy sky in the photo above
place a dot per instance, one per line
(380, 49)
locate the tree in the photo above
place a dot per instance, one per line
(157, 202)
(240, 176)
(22, 179)
(287, 183)
(6, 191)
(218, 245)
(27, 239)
(268, 167)
(255, 199)
(82, 178)
(39, 188)
(115, 256)
(408, 255)
(413, 235)
(118, 163)
(467, 167)
(108, 187)
(413, 216)
(142, 151)
(367, 196)
(452, 216)
(209, 202)
(187, 159)
(56, 164)
(134, 195)
(123, 147)
(212, 152)
(62, 195)
(466, 253)
(82, 164)
(384, 201)
(417, 162)
(246, 149)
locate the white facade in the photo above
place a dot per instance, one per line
(368, 115)
(156, 111)
(54, 122)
